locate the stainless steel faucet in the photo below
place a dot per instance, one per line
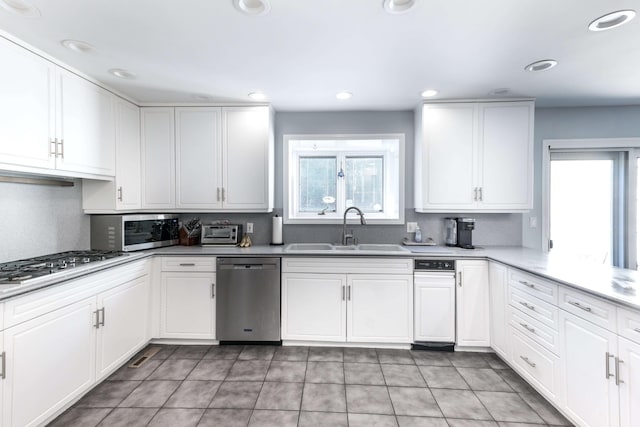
(346, 236)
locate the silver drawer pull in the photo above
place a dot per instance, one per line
(529, 306)
(607, 371)
(528, 362)
(187, 264)
(527, 284)
(3, 366)
(528, 328)
(618, 380)
(580, 306)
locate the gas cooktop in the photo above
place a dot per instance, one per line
(16, 272)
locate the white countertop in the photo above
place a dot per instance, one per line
(595, 279)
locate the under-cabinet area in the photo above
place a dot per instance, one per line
(579, 351)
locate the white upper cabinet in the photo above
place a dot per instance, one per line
(474, 157)
(26, 104)
(198, 158)
(54, 122)
(158, 158)
(248, 159)
(125, 192)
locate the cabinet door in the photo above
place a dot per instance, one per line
(629, 372)
(379, 308)
(506, 158)
(124, 316)
(198, 158)
(86, 127)
(3, 371)
(591, 395)
(158, 158)
(472, 304)
(50, 362)
(434, 301)
(187, 305)
(248, 159)
(128, 176)
(26, 107)
(498, 282)
(448, 157)
(314, 307)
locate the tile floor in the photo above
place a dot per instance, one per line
(312, 386)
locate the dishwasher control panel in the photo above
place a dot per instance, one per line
(435, 264)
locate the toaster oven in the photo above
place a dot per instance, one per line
(221, 234)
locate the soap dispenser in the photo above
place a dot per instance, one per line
(418, 236)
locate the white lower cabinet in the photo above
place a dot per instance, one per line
(472, 304)
(629, 382)
(498, 287)
(342, 307)
(588, 365)
(49, 361)
(434, 307)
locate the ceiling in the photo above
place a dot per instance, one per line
(303, 52)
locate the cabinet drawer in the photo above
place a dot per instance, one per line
(534, 307)
(348, 265)
(536, 364)
(528, 326)
(543, 289)
(180, 263)
(595, 310)
(628, 324)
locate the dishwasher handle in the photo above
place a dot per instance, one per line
(249, 267)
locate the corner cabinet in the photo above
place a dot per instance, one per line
(55, 122)
(472, 304)
(474, 157)
(360, 300)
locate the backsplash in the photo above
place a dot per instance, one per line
(39, 220)
(491, 229)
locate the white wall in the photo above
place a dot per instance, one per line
(38, 220)
(569, 123)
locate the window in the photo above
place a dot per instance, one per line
(326, 174)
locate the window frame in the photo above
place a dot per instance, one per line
(290, 193)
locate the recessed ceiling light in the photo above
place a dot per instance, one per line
(499, 91)
(20, 7)
(429, 93)
(257, 96)
(252, 7)
(612, 20)
(77, 46)
(344, 95)
(398, 6)
(122, 73)
(542, 65)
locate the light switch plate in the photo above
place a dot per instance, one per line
(249, 227)
(411, 227)
(533, 221)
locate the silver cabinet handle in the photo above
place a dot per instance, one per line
(475, 194)
(348, 293)
(527, 284)
(460, 279)
(61, 144)
(223, 194)
(97, 323)
(529, 306)
(528, 362)
(618, 380)
(343, 292)
(3, 365)
(607, 371)
(187, 264)
(218, 192)
(581, 307)
(101, 322)
(120, 193)
(528, 328)
(480, 190)
(213, 290)
(53, 147)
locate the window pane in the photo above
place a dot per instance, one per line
(317, 184)
(581, 208)
(364, 183)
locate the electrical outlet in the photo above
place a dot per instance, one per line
(533, 222)
(249, 227)
(411, 227)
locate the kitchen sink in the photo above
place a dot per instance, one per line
(328, 247)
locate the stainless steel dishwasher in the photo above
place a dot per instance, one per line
(248, 299)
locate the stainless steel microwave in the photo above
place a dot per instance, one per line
(133, 232)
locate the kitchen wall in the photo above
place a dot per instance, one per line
(491, 229)
(570, 123)
(38, 219)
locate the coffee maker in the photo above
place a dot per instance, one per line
(458, 232)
